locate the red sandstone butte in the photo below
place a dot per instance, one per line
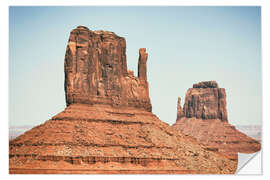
(204, 117)
(107, 126)
(96, 71)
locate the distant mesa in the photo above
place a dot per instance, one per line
(15, 131)
(108, 126)
(205, 118)
(254, 131)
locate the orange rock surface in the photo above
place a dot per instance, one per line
(108, 126)
(102, 139)
(205, 118)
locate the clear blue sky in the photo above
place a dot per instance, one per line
(185, 45)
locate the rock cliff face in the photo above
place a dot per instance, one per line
(205, 118)
(108, 126)
(206, 101)
(96, 71)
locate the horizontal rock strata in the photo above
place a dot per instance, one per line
(108, 126)
(206, 101)
(96, 71)
(218, 136)
(205, 118)
(85, 136)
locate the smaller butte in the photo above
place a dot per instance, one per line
(204, 117)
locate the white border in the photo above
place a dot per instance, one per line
(4, 75)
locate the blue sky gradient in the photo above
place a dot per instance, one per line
(185, 45)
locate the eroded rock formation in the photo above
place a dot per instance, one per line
(180, 112)
(205, 118)
(108, 126)
(96, 71)
(206, 101)
(142, 64)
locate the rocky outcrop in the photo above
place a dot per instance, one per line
(206, 101)
(142, 64)
(206, 84)
(180, 112)
(96, 71)
(205, 118)
(108, 126)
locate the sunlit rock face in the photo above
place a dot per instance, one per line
(107, 126)
(204, 117)
(206, 101)
(96, 71)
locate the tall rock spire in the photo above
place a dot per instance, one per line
(142, 70)
(180, 113)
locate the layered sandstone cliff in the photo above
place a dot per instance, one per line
(108, 126)
(96, 71)
(204, 117)
(206, 101)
